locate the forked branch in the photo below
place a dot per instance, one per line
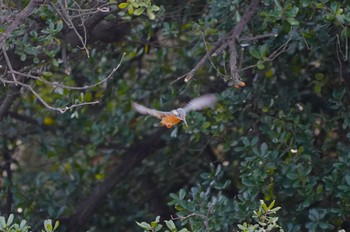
(15, 82)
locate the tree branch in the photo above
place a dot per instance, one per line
(28, 10)
(223, 42)
(7, 169)
(14, 92)
(11, 95)
(133, 157)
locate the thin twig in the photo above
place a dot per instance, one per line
(219, 46)
(28, 10)
(338, 58)
(233, 62)
(188, 216)
(211, 61)
(7, 169)
(67, 19)
(8, 62)
(71, 87)
(303, 37)
(345, 56)
(281, 49)
(258, 37)
(59, 109)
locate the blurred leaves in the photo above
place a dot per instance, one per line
(283, 137)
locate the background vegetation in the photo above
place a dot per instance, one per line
(72, 149)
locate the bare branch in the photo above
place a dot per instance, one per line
(32, 5)
(7, 102)
(59, 109)
(188, 216)
(281, 49)
(71, 87)
(30, 88)
(338, 50)
(68, 20)
(220, 44)
(233, 62)
(133, 157)
(256, 37)
(8, 62)
(7, 169)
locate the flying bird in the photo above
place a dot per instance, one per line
(170, 118)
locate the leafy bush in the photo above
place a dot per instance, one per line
(9, 226)
(206, 209)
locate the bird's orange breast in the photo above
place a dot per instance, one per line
(169, 121)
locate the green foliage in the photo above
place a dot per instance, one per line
(155, 226)
(204, 207)
(49, 227)
(138, 7)
(9, 226)
(284, 137)
(264, 218)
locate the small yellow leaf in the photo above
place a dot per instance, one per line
(123, 5)
(130, 9)
(100, 176)
(49, 121)
(269, 73)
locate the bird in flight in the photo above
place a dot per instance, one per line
(173, 117)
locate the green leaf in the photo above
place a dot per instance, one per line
(48, 225)
(263, 149)
(184, 230)
(263, 205)
(339, 93)
(274, 210)
(158, 228)
(144, 225)
(57, 223)
(170, 224)
(150, 14)
(23, 224)
(154, 224)
(154, 8)
(292, 176)
(10, 219)
(271, 205)
(123, 5)
(314, 215)
(182, 194)
(254, 52)
(292, 21)
(260, 65)
(157, 219)
(218, 170)
(23, 56)
(130, 9)
(139, 11)
(2, 221)
(245, 141)
(59, 26)
(263, 50)
(36, 60)
(347, 179)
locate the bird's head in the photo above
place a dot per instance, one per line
(180, 114)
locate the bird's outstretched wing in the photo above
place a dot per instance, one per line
(201, 102)
(144, 110)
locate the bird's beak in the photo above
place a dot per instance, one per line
(184, 120)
